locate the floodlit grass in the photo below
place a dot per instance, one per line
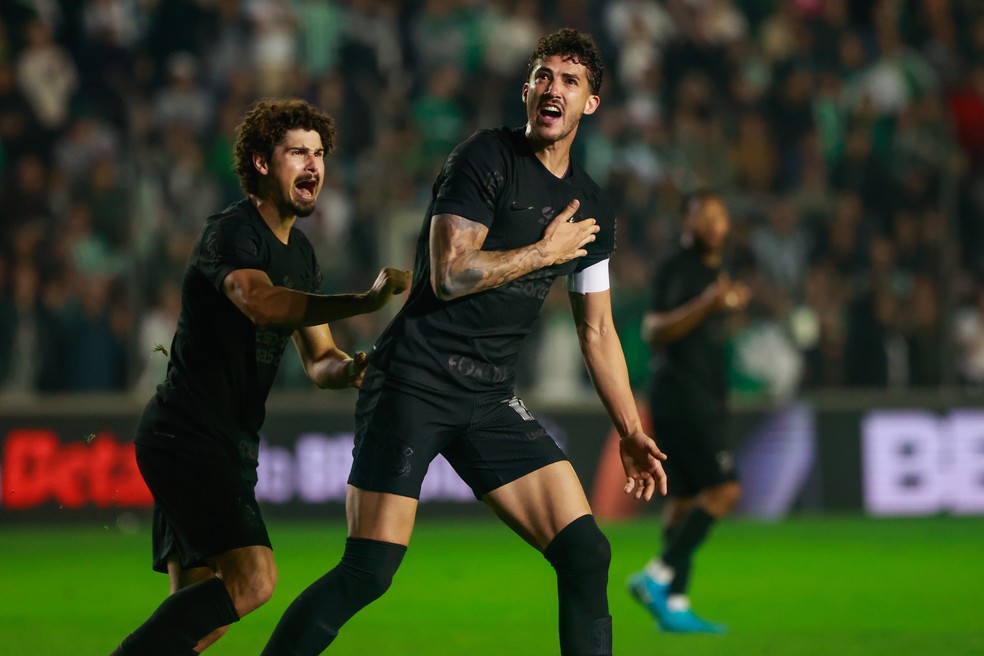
(811, 586)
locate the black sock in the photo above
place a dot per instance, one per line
(181, 621)
(681, 578)
(681, 574)
(313, 620)
(581, 554)
(680, 549)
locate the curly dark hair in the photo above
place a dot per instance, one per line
(265, 125)
(574, 46)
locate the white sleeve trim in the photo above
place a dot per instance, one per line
(590, 280)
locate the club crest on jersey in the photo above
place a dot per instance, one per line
(546, 215)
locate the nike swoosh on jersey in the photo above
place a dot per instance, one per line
(515, 207)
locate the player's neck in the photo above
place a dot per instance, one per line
(555, 160)
(279, 224)
(555, 156)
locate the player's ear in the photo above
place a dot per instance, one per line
(526, 90)
(259, 161)
(592, 105)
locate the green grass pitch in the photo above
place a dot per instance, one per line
(814, 586)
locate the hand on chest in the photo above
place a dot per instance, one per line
(522, 219)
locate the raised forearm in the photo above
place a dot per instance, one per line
(280, 306)
(459, 266)
(266, 304)
(477, 271)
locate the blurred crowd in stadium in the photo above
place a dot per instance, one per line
(847, 137)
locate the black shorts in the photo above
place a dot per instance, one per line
(204, 505)
(698, 451)
(488, 440)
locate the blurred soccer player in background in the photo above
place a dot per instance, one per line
(510, 213)
(252, 283)
(686, 326)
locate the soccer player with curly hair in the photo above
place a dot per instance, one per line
(252, 284)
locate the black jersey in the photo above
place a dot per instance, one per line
(221, 365)
(691, 373)
(473, 342)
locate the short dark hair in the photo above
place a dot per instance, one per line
(265, 125)
(574, 46)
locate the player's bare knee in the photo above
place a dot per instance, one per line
(251, 591)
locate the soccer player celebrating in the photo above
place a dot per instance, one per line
(510, 213)
(689, 406)
(251, 284)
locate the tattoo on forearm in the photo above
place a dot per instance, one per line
(473, 270)
(470, 278)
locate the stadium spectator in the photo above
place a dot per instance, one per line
(879, 99)
(95, 323)
(183, 102)
(47, 75)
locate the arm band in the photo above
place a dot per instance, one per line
(590, 280)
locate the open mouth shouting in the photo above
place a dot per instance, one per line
(306, 188)
(550, 114)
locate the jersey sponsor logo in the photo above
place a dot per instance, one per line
(470, 368)
(270, 343)
(529, 288)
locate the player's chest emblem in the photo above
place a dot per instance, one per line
(546, 215)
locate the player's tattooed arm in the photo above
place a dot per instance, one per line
(460, 267)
